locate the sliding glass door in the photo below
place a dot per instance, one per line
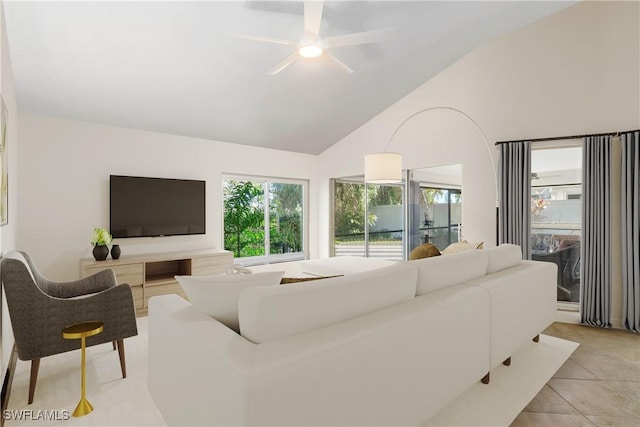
(435, 200)
(556, 215)
(438, 216)
(349, 217)
(368, 219)
(385, 230)
(390, 220)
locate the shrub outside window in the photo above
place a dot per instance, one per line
(264, 218)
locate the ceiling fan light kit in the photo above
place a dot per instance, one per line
(311, 45)
(310, 51)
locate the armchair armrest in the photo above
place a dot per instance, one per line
(41, 336)
(95, 283)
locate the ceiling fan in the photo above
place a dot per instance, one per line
(312, 45)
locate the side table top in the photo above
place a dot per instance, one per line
(82, 330)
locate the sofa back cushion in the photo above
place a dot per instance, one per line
(503, 256)
(441, 271)
(274, 312)
(217, 295)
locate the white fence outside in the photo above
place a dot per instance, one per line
(392, 252)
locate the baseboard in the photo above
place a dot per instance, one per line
(567, 317)
(617, 323)
(6, 383)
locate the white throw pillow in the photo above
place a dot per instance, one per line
(217, 295)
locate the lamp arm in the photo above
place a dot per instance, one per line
(465, 115)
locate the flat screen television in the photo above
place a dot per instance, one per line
(151, 207)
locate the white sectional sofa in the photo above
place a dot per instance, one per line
(387, 346)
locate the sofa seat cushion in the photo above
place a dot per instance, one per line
(273, 312)
(342, 265)
(439, 272)
(503, 257)
(217, 295)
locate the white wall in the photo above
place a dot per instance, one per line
(9, 231)
(64, 184)
(574, 72)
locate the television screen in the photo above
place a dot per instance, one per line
(148, 207)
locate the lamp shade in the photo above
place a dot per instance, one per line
(383, 168)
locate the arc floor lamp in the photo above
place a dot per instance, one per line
(386, 167)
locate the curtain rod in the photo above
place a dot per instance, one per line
(557, 138)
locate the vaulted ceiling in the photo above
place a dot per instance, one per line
(180, 67)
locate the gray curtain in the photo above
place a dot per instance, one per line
(631, 230)
(515, 195)
(595, 257)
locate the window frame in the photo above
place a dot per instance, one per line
(269, 258)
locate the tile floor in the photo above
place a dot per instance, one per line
(599, 385)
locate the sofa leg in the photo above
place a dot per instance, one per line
(507, 361)
(35, 365)
(114, 344)
(123, 364)
(536, 338)
(485, 379)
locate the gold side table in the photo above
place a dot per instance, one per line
(82, 331)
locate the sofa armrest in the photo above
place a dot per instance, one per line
(197, 365)
(523, 304)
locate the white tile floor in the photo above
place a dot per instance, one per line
(598, 386)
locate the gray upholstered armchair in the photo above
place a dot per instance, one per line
(40, 309)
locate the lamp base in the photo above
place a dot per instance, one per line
(83, 408)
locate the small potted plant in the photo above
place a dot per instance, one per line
(101, 238)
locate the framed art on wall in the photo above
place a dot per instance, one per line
(4, 160)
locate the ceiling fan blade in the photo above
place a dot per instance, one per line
(359, 38)
(283, 64)
(312, 18)
(338, 62)
(263, 39)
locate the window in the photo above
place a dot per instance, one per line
(264, 219)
